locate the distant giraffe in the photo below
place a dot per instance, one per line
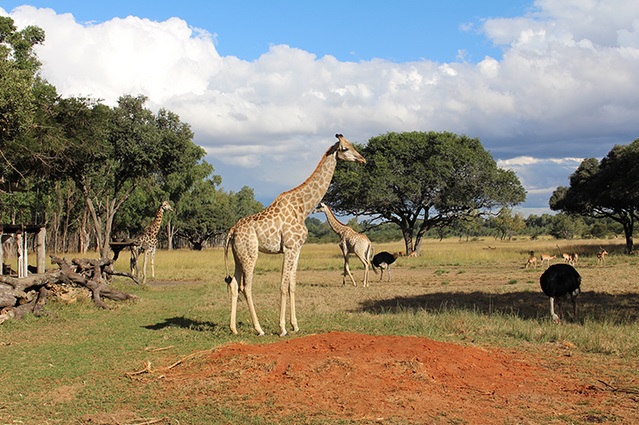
(350, 242)
(280, 229)
(147, 242)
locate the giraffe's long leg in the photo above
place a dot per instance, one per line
(362, 258)
(146, 256)
(133, 262)
(288, 288)
(153, 262)
(234, 288)
(347, 271)
(248, 292)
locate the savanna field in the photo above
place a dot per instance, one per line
(461, 335)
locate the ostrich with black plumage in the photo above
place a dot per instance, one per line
(383, 261)
(561, 281)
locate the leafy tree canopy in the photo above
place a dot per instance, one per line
(420, 180)
(606, 189)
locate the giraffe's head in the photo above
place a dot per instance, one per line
(322, 207)
(346, 151)
(166, 206)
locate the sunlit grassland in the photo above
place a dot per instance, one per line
(74, 360)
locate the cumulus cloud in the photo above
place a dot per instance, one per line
(564, 88)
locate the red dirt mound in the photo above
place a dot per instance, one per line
(390, 378)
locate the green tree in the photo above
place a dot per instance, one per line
(28, 139)
(423, 180)
(18, 78)
(204, 212)
(243, 203)
(509, 223)
(114, 151)
(566, 226)
(606, 189)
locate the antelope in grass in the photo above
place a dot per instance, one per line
(573, 259)
(546, 258)
(601, 257)
(569, 258)
(532, 260)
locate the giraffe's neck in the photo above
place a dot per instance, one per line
(153, 228)
(335, 224)
(307, 195)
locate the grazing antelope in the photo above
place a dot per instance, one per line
(601, 257)
(547, 258)
(532, 260)
(573, 259)
(566, 256)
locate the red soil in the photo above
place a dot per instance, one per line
(392, 379)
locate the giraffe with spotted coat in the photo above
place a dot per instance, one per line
(280, 229)
(147, 242)
(350, 242)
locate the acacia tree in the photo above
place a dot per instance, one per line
(423, 180)
(606, 189)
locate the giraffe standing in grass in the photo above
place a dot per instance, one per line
(147, 242)
(350, 242)
(280, 229)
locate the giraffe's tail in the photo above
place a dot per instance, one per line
(228, 279)
(370, 254)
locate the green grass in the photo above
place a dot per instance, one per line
(74, 361)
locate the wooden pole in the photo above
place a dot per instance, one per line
(1, 252)
(41, 251)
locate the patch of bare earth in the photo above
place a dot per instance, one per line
(390, 378)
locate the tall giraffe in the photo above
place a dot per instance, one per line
(350, 242)
(147, 242)
(280, 229)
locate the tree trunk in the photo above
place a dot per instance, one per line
(628, 228)
(83, 233)
(170, 232)
(407, 233)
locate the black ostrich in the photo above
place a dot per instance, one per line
(561, 281)
(383, 260)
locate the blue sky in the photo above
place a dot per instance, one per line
(349, 30)
(266, 85)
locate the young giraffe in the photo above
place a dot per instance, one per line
(350, 242)
(280, 229)
(147, 241)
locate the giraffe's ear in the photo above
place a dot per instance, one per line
(333, 149)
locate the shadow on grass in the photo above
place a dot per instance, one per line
(183, 322)
(619, 308)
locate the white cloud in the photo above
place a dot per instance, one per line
(566, 87)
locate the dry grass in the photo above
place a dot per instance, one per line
(465, 292)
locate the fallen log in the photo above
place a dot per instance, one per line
(20, 296)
